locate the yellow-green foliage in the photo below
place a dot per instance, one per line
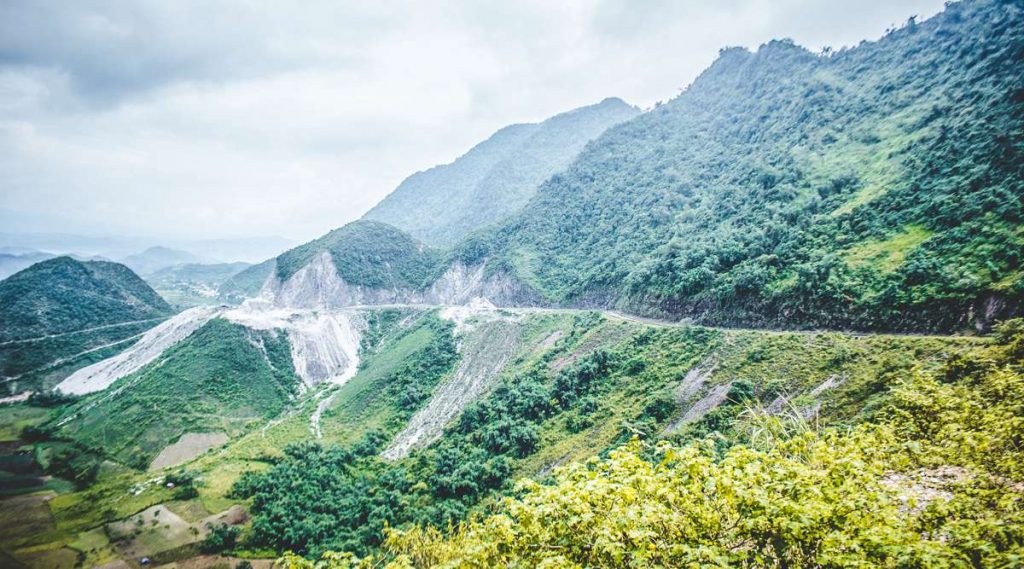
(937, 483)
(887, 254)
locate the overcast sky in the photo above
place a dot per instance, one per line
(202, 119)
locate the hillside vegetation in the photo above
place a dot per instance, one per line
(370, 254)
(931, 481)
(496, 177)
(62, 311)
(877, 187)
(579, 385)
(223, 378)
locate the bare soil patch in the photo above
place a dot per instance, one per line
(189, 446)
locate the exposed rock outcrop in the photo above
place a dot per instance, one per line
(154, 342)
(318, 285)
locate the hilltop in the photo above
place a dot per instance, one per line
(62, 308)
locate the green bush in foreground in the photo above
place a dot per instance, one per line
(937, 483)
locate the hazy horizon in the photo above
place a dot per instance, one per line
(171, 121)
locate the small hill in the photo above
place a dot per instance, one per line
(156, 258)
(495, 178)
(61, 307)
(369, 254)
(211, 274)
(63, 295)
(246, 283)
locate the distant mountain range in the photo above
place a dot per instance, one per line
(496, 177)
(245, 249)
(156, 258)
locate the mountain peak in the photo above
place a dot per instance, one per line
(495, 178)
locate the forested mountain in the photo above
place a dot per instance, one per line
(370, 254)
(386, 402)
(876, 187)
(496, 177)
(62, 295)
(60, 308)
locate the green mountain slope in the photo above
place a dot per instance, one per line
(223, 378)
(61, 309)
(876, 187)
(368, 253)
(932, 482)
(495, 178)
(577, 385)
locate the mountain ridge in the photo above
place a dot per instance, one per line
(495, 178)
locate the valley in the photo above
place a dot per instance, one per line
(662, 379)
(776, 320)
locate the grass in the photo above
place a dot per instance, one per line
(886, 255)
(14, 418)
(360, 405)
(222, 378)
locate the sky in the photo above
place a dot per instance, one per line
(194, 119)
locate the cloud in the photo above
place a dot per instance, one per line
(198, 119)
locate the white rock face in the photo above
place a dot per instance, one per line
(315, 307)
(325, 345)
(318, 286)
(154, 342)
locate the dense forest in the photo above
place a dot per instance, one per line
(876, 187)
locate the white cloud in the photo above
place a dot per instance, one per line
(195, 119)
